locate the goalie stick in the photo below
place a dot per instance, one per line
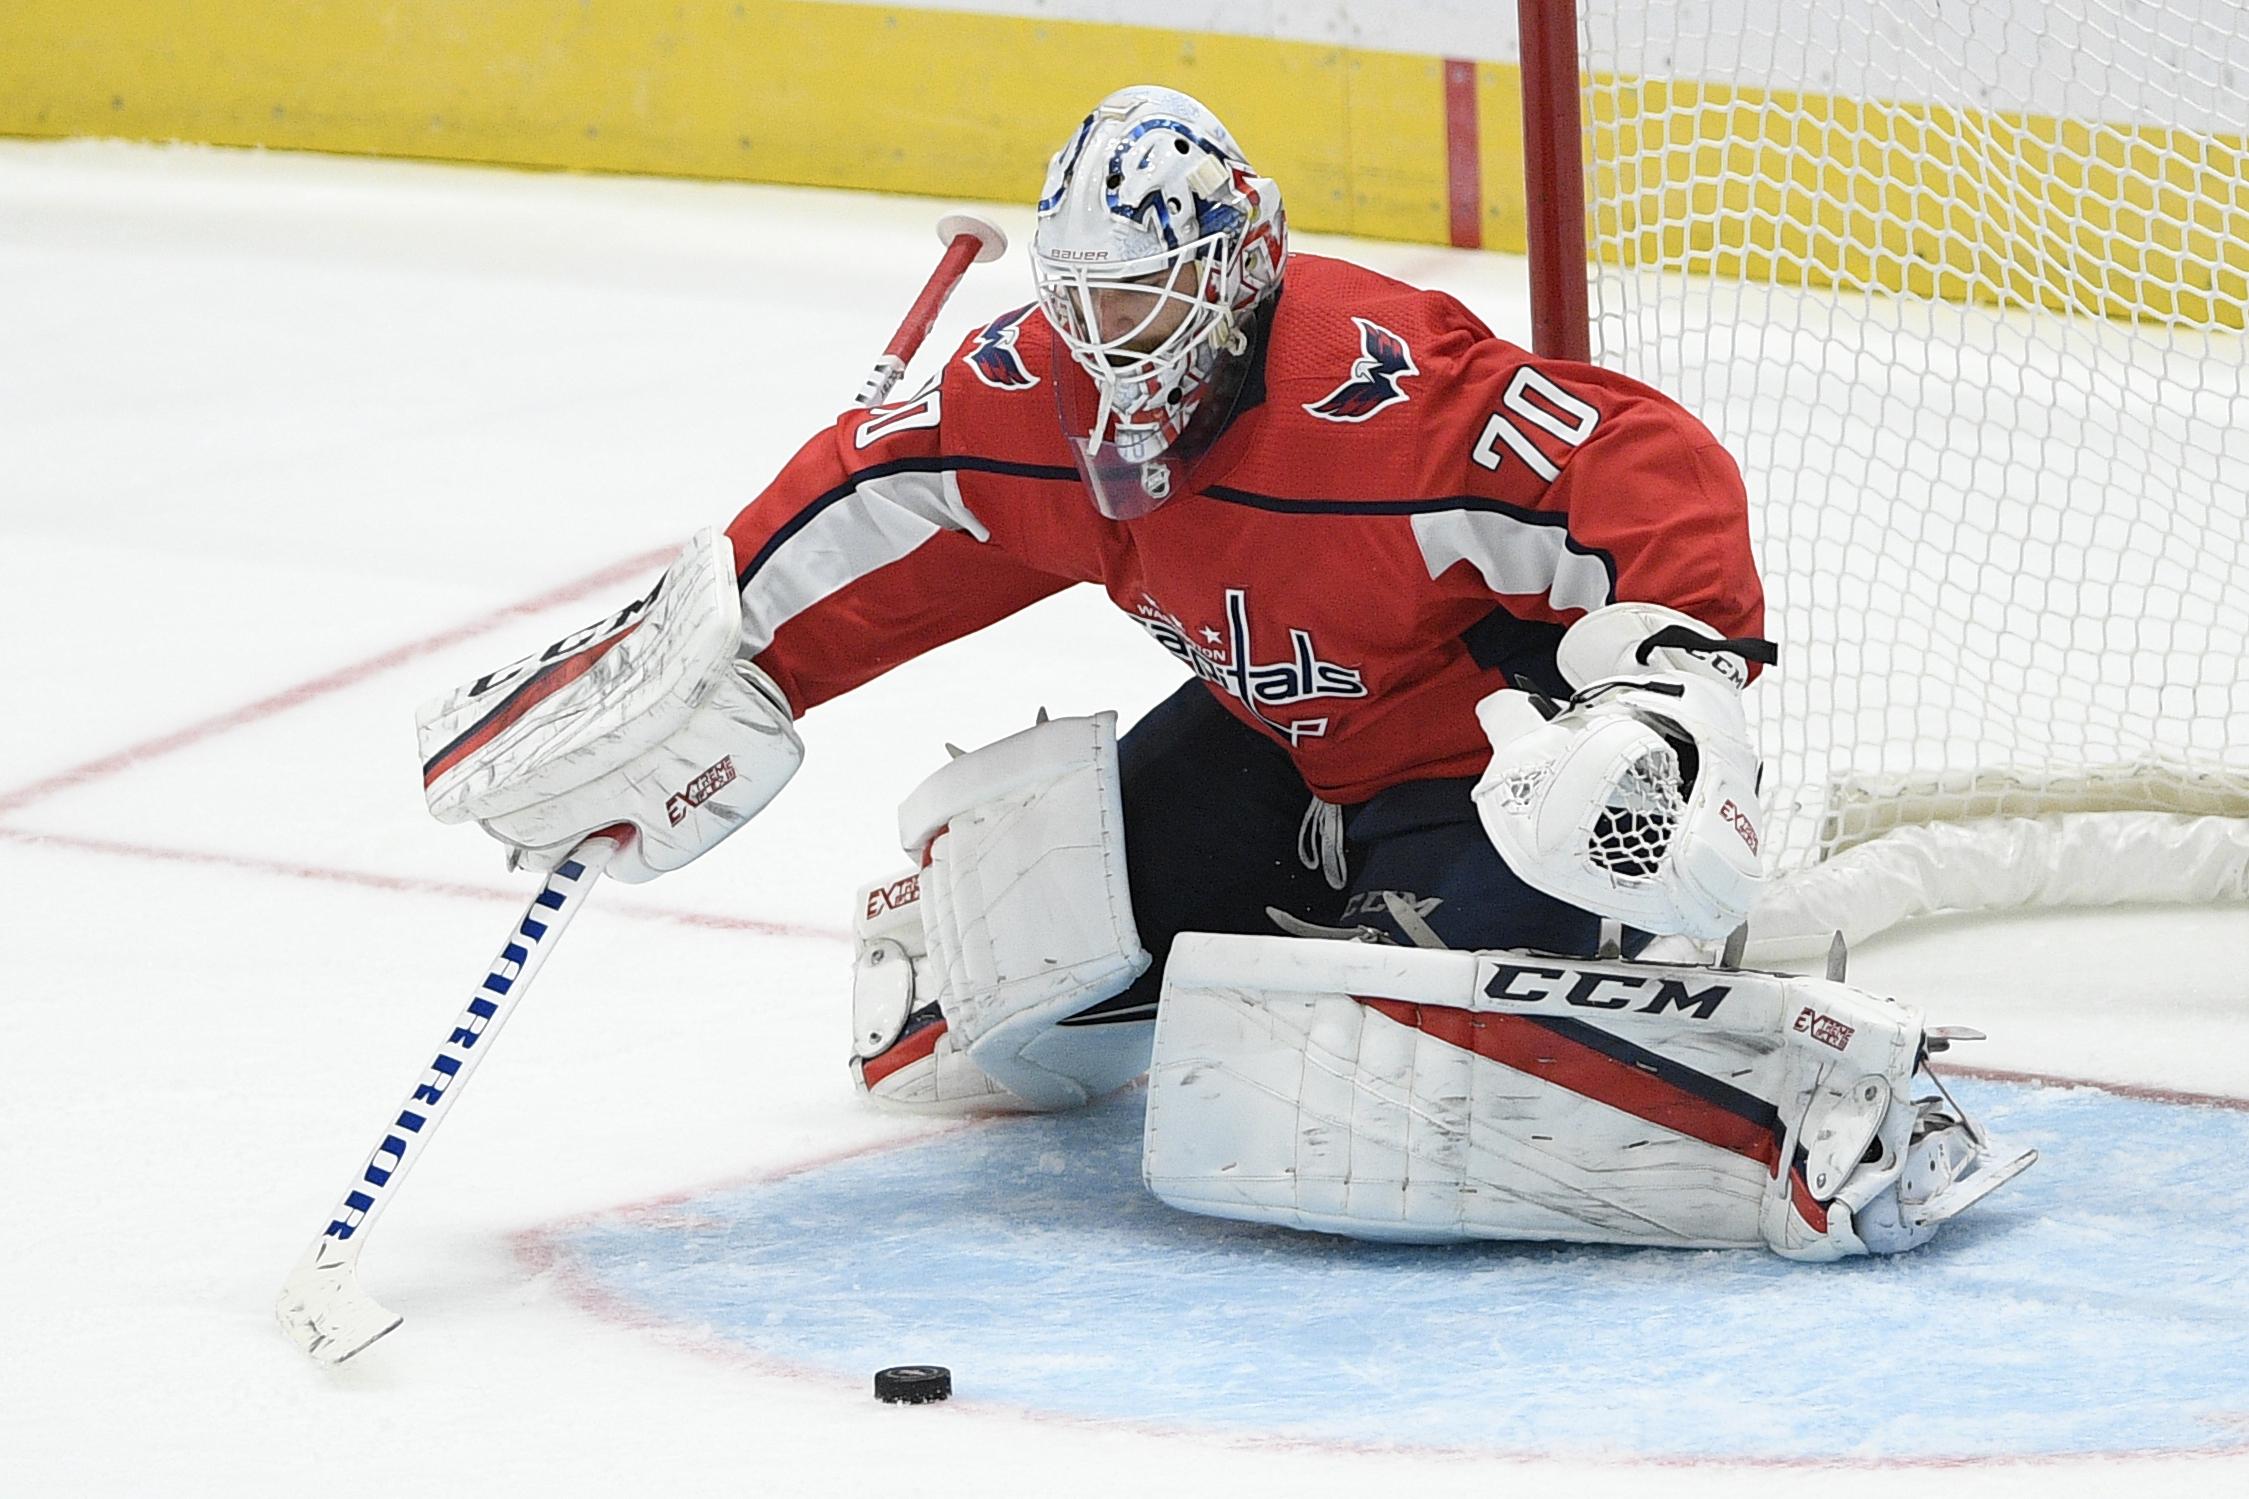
(968, 240)
(321, 1306)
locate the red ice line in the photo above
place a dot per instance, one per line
(319, 687)
(401, 883)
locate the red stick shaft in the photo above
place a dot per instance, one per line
(923, 314)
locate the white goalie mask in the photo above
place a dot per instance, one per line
(1155, 243)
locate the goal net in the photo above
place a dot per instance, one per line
(1963, 288)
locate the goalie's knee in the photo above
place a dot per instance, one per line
(907, 1054)
(985, 979)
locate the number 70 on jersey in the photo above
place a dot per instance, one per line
(1533, 401)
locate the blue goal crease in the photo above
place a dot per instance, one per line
(2099, 1304)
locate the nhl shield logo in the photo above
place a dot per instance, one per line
(994, 357)
(1384, 360)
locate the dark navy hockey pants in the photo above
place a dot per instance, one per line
(1212, 812)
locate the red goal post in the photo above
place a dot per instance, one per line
(1963, 289)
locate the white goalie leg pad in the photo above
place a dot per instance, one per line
(649, 717)
(904, 1054)
(1026, 910)
(1426, 1096)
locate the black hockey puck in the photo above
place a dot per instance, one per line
(914, 1384)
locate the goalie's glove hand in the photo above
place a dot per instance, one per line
(649, 718)
(1637, 800)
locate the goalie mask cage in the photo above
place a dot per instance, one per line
(1962, 287)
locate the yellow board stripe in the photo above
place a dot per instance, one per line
(941, 103)
(1965, 205)
(2124, 221)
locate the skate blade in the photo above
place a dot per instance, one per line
(1972, 1189)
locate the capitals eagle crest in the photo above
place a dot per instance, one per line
(994, 358)
(1384, 361)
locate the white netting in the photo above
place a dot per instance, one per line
(1963, 288)
(1634, 827)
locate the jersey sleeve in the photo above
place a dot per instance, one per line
(862, 554)
(1585, 489)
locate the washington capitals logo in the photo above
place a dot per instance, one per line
(1228, 663)
(994, 358)
(1373, 385)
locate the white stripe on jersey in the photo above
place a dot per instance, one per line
(1514, 556)
(881, 521)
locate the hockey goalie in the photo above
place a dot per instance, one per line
(1407, 901)
(1409, 1092)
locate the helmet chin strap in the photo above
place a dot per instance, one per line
(1229, 334)
(1101, 414)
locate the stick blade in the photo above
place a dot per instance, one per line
(323, 1310)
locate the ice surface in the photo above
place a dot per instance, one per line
(288, 444)
(1023, 1254)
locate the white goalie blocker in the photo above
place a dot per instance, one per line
(1425, 1096)
(973, 975)
(649, 718)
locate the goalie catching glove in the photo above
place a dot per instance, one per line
(1637, 800)
(650, 718)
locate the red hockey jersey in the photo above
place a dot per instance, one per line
(1404, 509)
